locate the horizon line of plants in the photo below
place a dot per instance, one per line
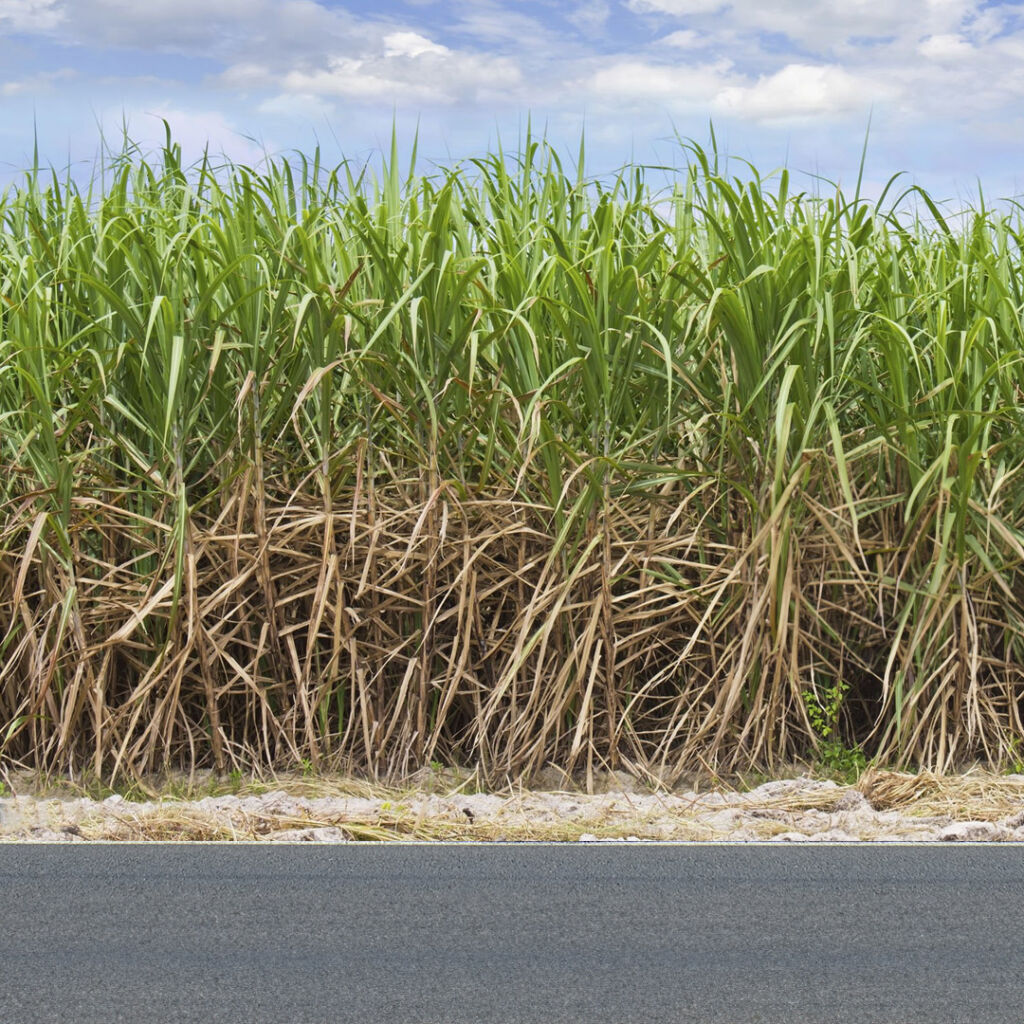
(502, 465)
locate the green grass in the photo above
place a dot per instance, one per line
(499, 465)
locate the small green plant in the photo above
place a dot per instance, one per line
(823, 712)
(1016, 759)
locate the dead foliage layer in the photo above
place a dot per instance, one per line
(356, 639)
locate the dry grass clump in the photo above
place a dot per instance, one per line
(180, 823)
(977, 795)
(504, 467)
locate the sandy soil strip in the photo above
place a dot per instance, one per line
(881, 807)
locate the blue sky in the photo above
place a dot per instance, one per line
(784, 81)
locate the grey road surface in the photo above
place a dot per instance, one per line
(445, 934)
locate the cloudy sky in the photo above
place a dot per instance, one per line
(784, 81)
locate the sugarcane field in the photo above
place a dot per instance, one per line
(502, 472)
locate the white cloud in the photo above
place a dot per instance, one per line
(45, 81)
(411, 69)
(297, 106)
(410, 44)
(30, 15)
(676, 8)
(684, 39)
(829, 25)
(796, 92)
(357, 79)
(635, 81)
(246, 75)
(491, 21)
(799, 91)
(590, 17)
(946, 46)
(990, 22)
(195, 27)
(1011, 47)
(910, 60)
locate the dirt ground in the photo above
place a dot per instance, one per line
(438, 805)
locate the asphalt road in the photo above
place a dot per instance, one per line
(441, 934)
